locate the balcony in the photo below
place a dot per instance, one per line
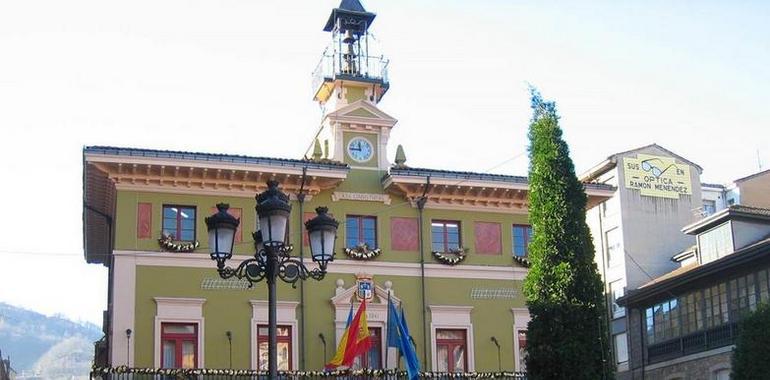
(335, 65)
(692, 343)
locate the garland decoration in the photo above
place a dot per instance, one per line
(362, 252)
(98, 372)
(453, 257)
(167, 243)
(523, 260)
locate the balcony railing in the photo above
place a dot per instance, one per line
(126, 373)
(689, 344)
(337, 65)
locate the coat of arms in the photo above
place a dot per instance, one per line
(365, 287)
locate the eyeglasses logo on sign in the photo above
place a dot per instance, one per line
(656, 176)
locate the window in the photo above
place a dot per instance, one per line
(621, 348)
(284, 347)
(715, 243)
(179, 345)
(709, 207)
(614, 249)
(522, 337)
(359, 230)
(617, 289)
(372, 359)
(179, 222)
(451, 350)
(722, 374)
(522, 235)
(445, 235)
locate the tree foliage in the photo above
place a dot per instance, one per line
(750, 355)
(567, 335)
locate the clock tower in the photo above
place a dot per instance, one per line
(348, 83)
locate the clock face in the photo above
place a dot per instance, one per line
(360, 149)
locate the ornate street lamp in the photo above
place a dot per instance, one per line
(272, 259)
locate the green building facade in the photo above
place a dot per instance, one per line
(143, 219)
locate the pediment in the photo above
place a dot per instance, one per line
(362, 112)
(346, 296)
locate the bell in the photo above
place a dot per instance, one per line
(349, 37)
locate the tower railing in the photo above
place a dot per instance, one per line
(337, 65)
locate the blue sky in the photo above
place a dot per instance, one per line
(234, 77)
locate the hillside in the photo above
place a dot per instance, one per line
(51, 346)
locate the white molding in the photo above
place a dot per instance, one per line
(179, 310)
(521, 320)
(286, 314)
(452, 317)
(500, 210)
(341, 266)
(123, 311)
(194, 190)
(376, 313)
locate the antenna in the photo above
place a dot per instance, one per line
(759, 160)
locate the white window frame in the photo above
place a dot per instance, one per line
(521, 320)
(286, 315)
(619, 256)
(456, 318)
(623, 337)
(621, 311)
(178, 310)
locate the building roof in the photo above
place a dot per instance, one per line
(752, 176)
(688, 276)
(612, 160)
(493, 192)
(212, 157)
(349, 8)
(460, 175)
(714, 185)
(472, 176)
(739, 212)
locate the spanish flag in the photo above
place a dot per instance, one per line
(349, 349)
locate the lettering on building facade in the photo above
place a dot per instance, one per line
(369, 197)
(656, 176)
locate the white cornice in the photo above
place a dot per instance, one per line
(130, 160)
(381, 268)
(196, 190)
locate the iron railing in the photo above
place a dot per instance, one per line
(700, 341)
(126, 373)
(335, 65)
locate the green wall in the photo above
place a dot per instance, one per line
(230, 309)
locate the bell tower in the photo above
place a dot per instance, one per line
(348, 83)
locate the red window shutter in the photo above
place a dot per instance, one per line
(488, 239)
(144, 220)
(404, 234)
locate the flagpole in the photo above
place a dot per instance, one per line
(387, 325)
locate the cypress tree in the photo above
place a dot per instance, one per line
(567, 335)
(750, 354)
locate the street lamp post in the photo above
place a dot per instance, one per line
(272, 259)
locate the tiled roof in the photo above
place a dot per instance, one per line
(196, 156)
(466, 176)
(688, 275)
(734, 211)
